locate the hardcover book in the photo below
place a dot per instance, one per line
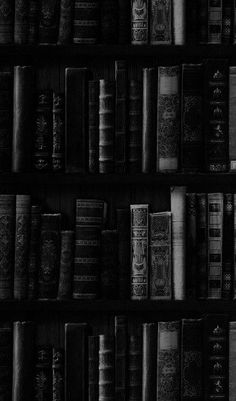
(58, 135)
(232, 359)
(202, 21)
(123, 229)
(109, 21)
(135, 368)
(49, 21)
(227, 21)
(228, 246)
(93, 374)
(232, 118)
(86, 21)
(121, 354)
(124, 22)
(109, 265)
(214, 21)
(135, 127)
(58, 381)
(6, 361)
(120, 116)
(234, 23)
(234, 274)
(33, 21)
(34, 255)
(93, 125)
(192, 21)
(66, 265)
(139, 22)
(106, 389)
(6, 21)
(201, 250)
(21, 23)
(43, 370)
(6, 106)
(191, 245)
(160, 22)
(149, 120)
(179, 22)
(149, 375)
(65, 22)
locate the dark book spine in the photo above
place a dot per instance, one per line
(6, 21)
(106, 389)
(149, 121)
(120, 116)
(58, 382)
(49, 21)
(135, 127)
(106, 126)
(23, 361)
(43, 132)
(6, 105)
(192, 23)
(93, 353)
(135, 368)
(22, 118)
(123, 229)
(86, 21)
(22, 236)
(201, 251)
(6, 361)
(58, 135)
(65, 22)
(33, 22)
(66, 265)
(76, 355)
(121, 350)
(227, 21)
(76, 119)
(139, 22)
(160, 22)
(50, 255)
(191, 244)
(93, 127)
(21, 22)
(202, 21)
(149, 361)
(109, 265)
(228, 247)
(109, 21)
(33, 262)
(124, 22)
(43, 373)
(215, 21)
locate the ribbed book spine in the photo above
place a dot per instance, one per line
(160, 256)
(179, 21)
(93, 127)
(191, 244)
(160, 22)
(109, 18)
(215, 241)
(6, 105)
(120, 116)
(139, 251)
(232, 118)
(109, 265)
(43, 370)
(228, 246)
(6, 22)
(139, 22)
(168, 121)
(66, 265)
(232, 360)
(33, 261)
(21, 22)
(149, 361)
(93, 357)
(124, 22)
(123, 229)
(135, 127)
(202, 241)
(86, 21)
(58, 134)
(149, 120)
(49, 21)
(202, 21)
(227, 21)
(192, 21)
(106, 390)
(65, 22)
(214, 21)
(58, 382)
(33, 21)
(135, 368)
(6, 361)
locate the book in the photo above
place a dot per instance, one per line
(228, 246)
(93, 357)
(232, 359)
(135, 368)
(6, 360)
(106, 389)
(160, 256)
(191, 245)
(179, 22)
(123, 229)
(49, 255)
(34, 255)
(86, 21)
(139, 251)
(160, 22)
(33, 21)
(7, 22)
(149, 120)
(22, 236)
(106, 126)
(178, 207)
(149, 375)
(109, 18)
(227, 21)
(22, 118)
(234, 274)
(192, 21)
(121, 354)
(215, 238)
(66, 265)
(234, 23)
(201, 250)
(6, 106)
(202, 21)
(65, 22)
(49, 21)
(139, 22)
(76, 88)
(58, 135)
(109, 265)
(135, 127)
(214, 21)
(121, 82)
(93, 125)
(21, 22)
(58, 382)
(43, 373)
(124, 22)
(168, 121)
(232, 118)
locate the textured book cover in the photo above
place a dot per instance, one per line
(227, 21)
(168, 119)
(124, 22)
(232, 360)
(49, 255)
(76, 88)
(232, 118)
(123, 229)
(160, 22)
(106, 388)
(109, 18)
(93, 125)
(202, 242)
(58, 380)
(228, 246)
(215, 242)
(6, 342)
(6, 21)
(160, 256)
(22, 237)
(192, 21)
(234, 23)
(49, 21)
(234, 274)
(58, 134)
(86, 21)
(135, 368)
(178, 210)
(65, 22)
(168, 361)
(149, 120)
(149, 375)
(6, 106)
(21, 22)
(191, 245)
(121, 80)
(34, 255)
(214, 21)
(135, 127)
(43, 373)
(202, 21)
(121, 355)
(66, 265)
(179, 22)
(93, 357)
(33, 21)
(139, 251)
(139, 22)
(109, 264)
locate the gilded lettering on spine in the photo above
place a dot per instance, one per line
(139, 22)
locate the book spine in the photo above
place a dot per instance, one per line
(123, 229)
(178, 201)
(93, 128)
(149, 120)
(120, 116)
(58, 135)
(168, 361)
(202, 265)
(66, 265)
(43, 373)
(191, 244)
(168, 121)
(106, 384)
(192, 21)
(76, 81)
(232, 359)
(50, 255)
(149, 361)
(58, 382)
(65, 22)
(6, 106)
(86, 21)
(232, 118)
(135, 127)
(124, 22)
(7, 22)
(121, 339)
(179, 21)
(202, 21)
(6, 361)
(160, 22)
(139, 251)
(135, 368)
(214, 21)
(227, 21)
(109, 18)
(234, 273)
(22, 236)
(33, 22)
(228, 246)
(109, 265)
(21, 22)
(160, 256)
(139, 22)
(234, 22)
(93, 352)
(106, 126)
(33, 261)
(49, 21)
(22, 120)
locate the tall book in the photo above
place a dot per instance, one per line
(139, 22)
(168, 361)
(93, 125)
(228, 246)
(234, 273)
(58, 134)
(149, 362)
(109, 21)
(7, 243)
(135, 127)
(49, 21)
(227, 21)
(214, 21)
(21, 22)
(123, 229)
(66, 265)
(191, 245)
(34, 255)
(160, 22)
(232, 118)
(124, 22)
(22, 236)
(215, 241)
(179, 22)
(168, 121)
(202, 21)
(178, 202)
(139, 251)
(93, 357)
(234, 23)
(160, 256)
(6, 105)
(202, 241)
(65, 22)
(6, 360)
(120, 116)
(135, 368)
(192, 21)
(58, 382)
(76, 82)
(149, 120)
(121, 354)
(232, 360)
(43, 369)
(86, 21)
(106, 389)
(7, 22)
(109, 264)
(34, 8)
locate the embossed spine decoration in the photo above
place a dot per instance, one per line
(149, 361)
(121, 339)
(6, 361)
(6, 21)
(135, 368)
(123, 228)
(232, 118)
(109, 21)
(22, 236)
(227, 21)
(65, 22)
(149, 120)
(58, 381)
(43, 373)
(106, 368)
(139, 22)
(93, 352)
(33, 262)
(160, 256)
(66, 265)
(214, 21)
(228, 246)
(135, 127)
(191, 244)
(58, 138)
(93, 127)
(6, 105)
(139, 251)
(179, 21)
(86, 21)
(232, 359)
(33, 21)
(202, 242)
(109, 264)
(120, 116)
(21, 23)
(49, 21)
(160, 22)
(168, 121)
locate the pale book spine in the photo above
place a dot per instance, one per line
(178, 201)
(232, 118)
(232, 360)
(179, 22)
(214, 21)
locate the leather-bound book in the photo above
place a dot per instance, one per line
(58, 135)
(49, 255)
(33, 21)
(121, 354)
(123, 229)
(76, 82)
(192, 148)
(109, 21)
(106, 389)
(23, 361)
(192, 21)
(191, 245)
(6, 105)
(22, 118)
(106, 126)
(65, 22)
(192, 360)
(201, 249)
(149, 121)
(160, 22)
(121, 116)
(109, 264)
(58, 380)
(234, 23)
(168, 361)
(149, 374)
(232, 359)
(43, 373)
(93, 126)
(139, 22)
(228, 246)
(179, 22)
(93, 357)
(7, 22)
(34, 255)
(42, 153)
(232, 118)
(160, 256)
(214, 21)
(202, 21)
(227, 21)
(86, 21)
(6, 361)
(21, 23)
(66, 265)
(49, 21)
(7, 244)
(168, 119)
(234, 274)
(124, 22)
(139, 251)
(135, 368)
(76, 360)
(22, 237)
(135, 127)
